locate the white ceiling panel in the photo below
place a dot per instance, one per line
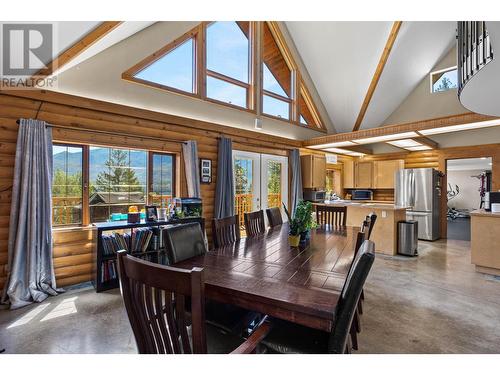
(341, 58)
(418, 48)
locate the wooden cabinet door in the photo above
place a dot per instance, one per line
(384, 173)
(364, 174)
(319, 172)
(349, 174)
(306, 166)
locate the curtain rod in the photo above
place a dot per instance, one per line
(109, 133)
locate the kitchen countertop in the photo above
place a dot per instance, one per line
(483, 212)
(363, 204)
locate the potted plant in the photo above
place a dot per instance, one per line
(301, 223)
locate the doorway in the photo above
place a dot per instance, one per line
(468, 179)
(260, 181)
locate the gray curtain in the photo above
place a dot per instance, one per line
(30, 272)
(192, 166)
(224, 192)
(296, 183)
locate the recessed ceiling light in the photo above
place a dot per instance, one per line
(419, 148)
(403, 143)
(384, 138)
(456, 128)
(334, 144)
(344, 152)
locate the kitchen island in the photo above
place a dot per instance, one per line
(386, 227)
(485, 248)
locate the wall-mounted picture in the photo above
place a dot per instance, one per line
(151, 213)
(206, 171)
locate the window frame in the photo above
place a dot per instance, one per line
(249, 87)
(255, 91)
(443, 71)
(84, 185)
(86, 176)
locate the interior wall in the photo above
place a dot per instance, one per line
(468, 197)
(421, 104)
(79, 120)
(100, 78)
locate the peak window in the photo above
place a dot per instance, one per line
(444, 80)
(175, 69)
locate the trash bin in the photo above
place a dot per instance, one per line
(408, 237)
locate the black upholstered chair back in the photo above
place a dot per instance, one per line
(183, 242)
(274, 216)
(371, 223)
(349, 297)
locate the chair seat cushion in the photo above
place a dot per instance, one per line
(228, 317)
(289, 338)
(221, 342)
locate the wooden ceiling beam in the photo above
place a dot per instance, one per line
(378, 72)
(427, 141)
(76, 49)
(463, 118)
(362, 149)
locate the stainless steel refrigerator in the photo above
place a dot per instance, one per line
(419, 189)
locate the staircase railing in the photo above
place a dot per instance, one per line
(473, 50)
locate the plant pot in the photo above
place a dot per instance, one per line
(304, 236)
(294, 240)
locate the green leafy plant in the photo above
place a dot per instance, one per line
(303, 219)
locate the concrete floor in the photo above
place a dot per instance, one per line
(435, 303)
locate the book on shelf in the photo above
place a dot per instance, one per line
(108, 270)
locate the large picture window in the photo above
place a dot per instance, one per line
(114, 179)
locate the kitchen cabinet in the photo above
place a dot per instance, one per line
(383, 176)
(363, 174)
(313, 171)
(348, 169)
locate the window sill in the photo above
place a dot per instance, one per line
(73, 228)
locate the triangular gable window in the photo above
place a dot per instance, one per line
(175, 69)
(308, 115)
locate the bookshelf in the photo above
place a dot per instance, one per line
(143, 240)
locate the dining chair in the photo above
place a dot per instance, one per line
(226, 231)
(286, 337)
(154, 297)
(333, 216)
(254, 223)
(274, 216)
(186, 241)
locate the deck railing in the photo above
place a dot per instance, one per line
(244, 203)
(66, 210)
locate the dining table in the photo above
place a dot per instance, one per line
(265, 274)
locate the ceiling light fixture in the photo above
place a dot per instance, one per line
(461, 127)
(334, 144)
(384, 138)
(344, 152)
(419, 148)
(404, 143)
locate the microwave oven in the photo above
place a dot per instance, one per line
(314, 195)
(362, 195)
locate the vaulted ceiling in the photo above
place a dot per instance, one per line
(342, 57)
